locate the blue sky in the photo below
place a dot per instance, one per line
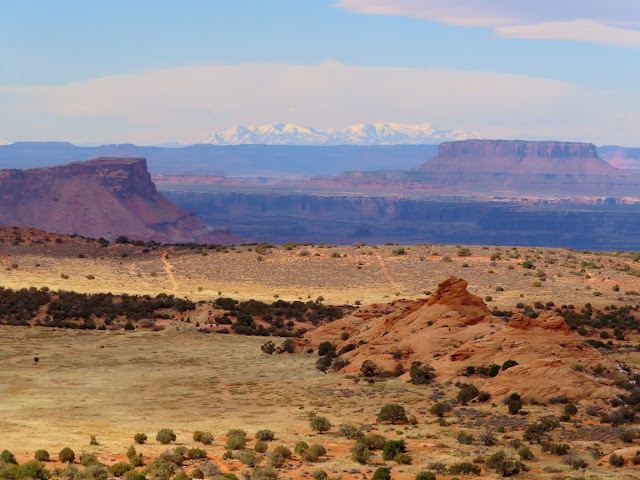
(159, 71)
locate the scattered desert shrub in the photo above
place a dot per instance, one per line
(426, 475)
(392, 412)
(360, 453)
(7, 457)
(261, 446)
(197, 453)
(350, 431)
(421, 375)
(249, 458)
(616, 460)
(320, 424)
(403, 459)
(392, 448)
(66, 455)
(465, 438)
(165, 436)
(265, 435)
(382, 473)
(313, 453)
(301, 447)
(41, 456)
(140, 438)
(120, 468)
(373, 441)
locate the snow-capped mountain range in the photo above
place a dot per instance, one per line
(4, 141)
(363, 134)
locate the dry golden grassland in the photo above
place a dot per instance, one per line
(340, 274)
(114, 384)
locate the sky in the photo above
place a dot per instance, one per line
(151, 72)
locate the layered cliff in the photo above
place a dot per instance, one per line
(104, 197)
(519, 157)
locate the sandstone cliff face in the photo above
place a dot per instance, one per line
(519, 157)
(453, 329)
(105, 197)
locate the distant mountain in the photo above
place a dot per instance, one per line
(364, 134)
(4, 141)
(282, 161)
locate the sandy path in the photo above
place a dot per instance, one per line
(169, 269)
(383, 267)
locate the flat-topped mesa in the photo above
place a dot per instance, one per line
(105, 197)
(518, 156)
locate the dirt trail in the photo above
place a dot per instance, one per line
(169, 269)
(383, 267)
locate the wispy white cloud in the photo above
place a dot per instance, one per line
(577, 30)
(614, 22)
(188, 102)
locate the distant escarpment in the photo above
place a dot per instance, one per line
(519, 157)
(503, 167)
(104, 197)
(621, 157)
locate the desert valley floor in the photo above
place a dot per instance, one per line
(59, 386)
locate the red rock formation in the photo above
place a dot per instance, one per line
(516, 156)
(105, 197)
(453, 329)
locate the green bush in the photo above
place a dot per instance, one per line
(393, 413)
(66, 455)
(87, 459)
(313, 453)
(261, 446)
(130, 475)
(31, 470)
(249, 458)
(526, 454)
(616, 460)
(360, 453)
(421, 375)
(140, 438)
(120, 468)
(382, 473)
(166, 436)
(465, 438)
(41, 456)
(236, 442)
(393, 448)
(403, 459)
(301, 447)
(320, 424)
(426, 475)
(350, 431)
(197, 473)
(197, 453)
(326, 348)
(7, 457)
(373, 441)
(265, 435)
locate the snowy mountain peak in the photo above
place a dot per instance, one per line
(362, 134)
(4, 141)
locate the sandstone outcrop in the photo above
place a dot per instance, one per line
(453, 330)
(104, 197)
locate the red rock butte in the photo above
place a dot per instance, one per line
(521, 157)
(104, 197)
